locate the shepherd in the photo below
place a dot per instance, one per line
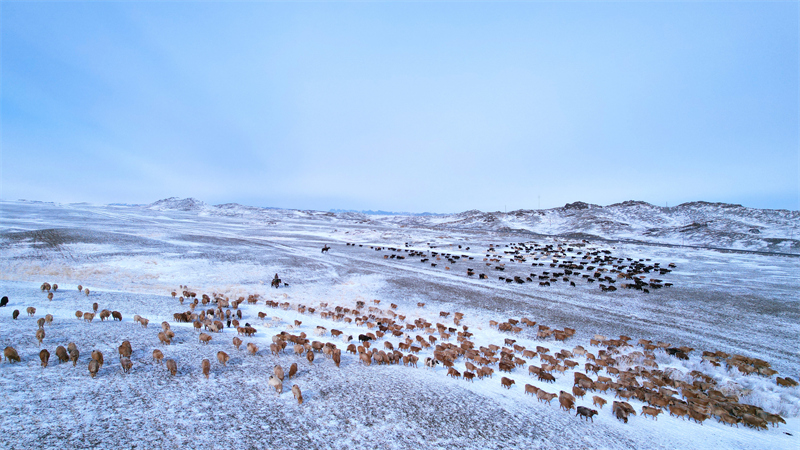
(325, 248)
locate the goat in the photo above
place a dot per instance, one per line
(297, 394)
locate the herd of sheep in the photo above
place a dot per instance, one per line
(629, 369)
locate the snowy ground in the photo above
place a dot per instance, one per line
(131, 258)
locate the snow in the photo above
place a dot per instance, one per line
(132, 257)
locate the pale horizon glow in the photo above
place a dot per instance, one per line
(418, 107)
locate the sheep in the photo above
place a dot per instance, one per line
(223, 358)
(126, 364)
(15, 314)
(292, 370)
(50, 296)
(566, 400)
(80, 288)
(172, 366)
(144, 322)
(125, 350)
(4, 301)
(94, 367)
(337, 357)
(276, 383)
(31, 310)
(586, 413)
(310, 357)
(44, 355)
(40, 336)
(206, 366)
(649, 411)
(74, 354)
(279, 372)
(86, 291)
(158, 356)
(40, 322)
(48, 319)
(97, 355)
(61, 354)
(71, 346)
(88, 317)
(79, 315)
(116, 315)
(163, 338)
(205, 338)
(297, 394)
(237, 342)
(11, 354)
(531, 389)
(507, 382)
(545, 396)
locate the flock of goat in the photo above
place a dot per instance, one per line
(630, 369)
(566, 262)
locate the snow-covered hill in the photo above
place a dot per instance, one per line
(716, 225)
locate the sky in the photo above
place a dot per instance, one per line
(401, 106)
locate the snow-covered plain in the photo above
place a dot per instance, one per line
(132, 257)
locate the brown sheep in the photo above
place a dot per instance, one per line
(40, 322)
(126, 364)
(80, 288)
(61, 354)
(88, 317)
(86, 291)
(205, 338)
(276, 383)
(172, 366)
(74, 354)
(97, 355)
(48, 319)
(44, 355)
(79, 314)
(531, 389)
(95, 307)
(252, 348)
(206, 366)
(545, 396)
(163, 338)
(279, 372)
(223, 358)
(297, 394)
(144, 322)
(50, 296)
(11, 354)
(31, 310)
(507, 382)
(237, 342)
(566, 400)
(337, 357)
(365, 358)
(15, 314)
(55, 287)
(292, 370)
(104, 314)
(116, 315)
(158, 356)
(125, 351)
(598, 401)
(310, 357)
(94, 367)
(40, 336)
(649, 411)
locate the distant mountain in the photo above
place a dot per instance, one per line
(700, 223)
(384, 213)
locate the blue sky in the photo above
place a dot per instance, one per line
(416, 107)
